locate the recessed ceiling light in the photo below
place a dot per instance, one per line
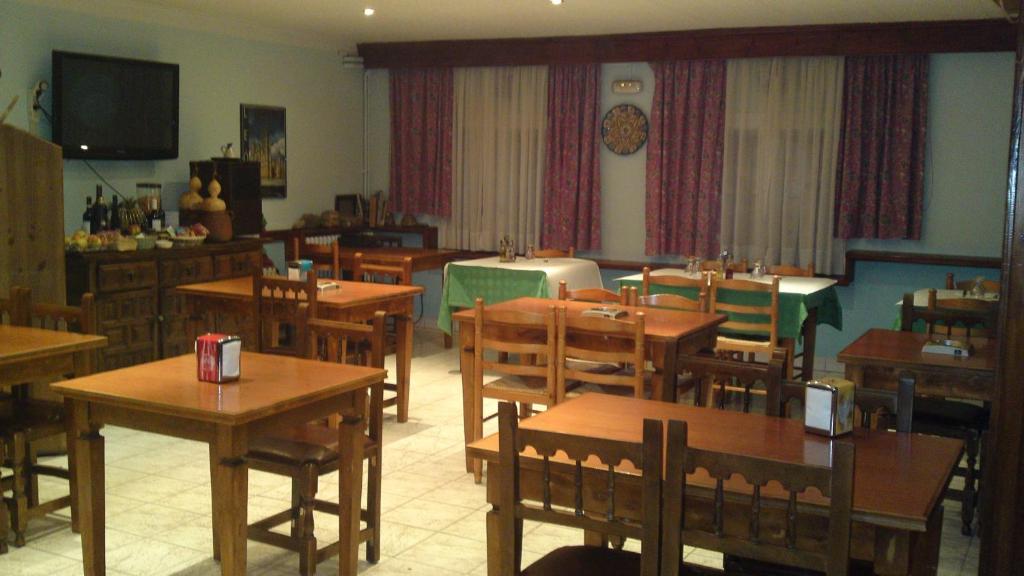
(368, 11)
(556, 2)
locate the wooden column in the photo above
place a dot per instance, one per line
(1002, 531)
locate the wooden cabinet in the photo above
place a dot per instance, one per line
(137, 307)
(240, 190)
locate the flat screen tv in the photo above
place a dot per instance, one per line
(114, 108)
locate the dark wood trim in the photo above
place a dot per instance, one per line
(837, 40)
(854, 256)
(1002, 494)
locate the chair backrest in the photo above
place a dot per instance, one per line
(875, 409)
(367, 268)
(596, 295)
(951, 317)
(758, 318)
(555, 253)
(277, 304)
(604, 340)
(348, 343)
(694, 290)
(80, 319)
(15, 308)
(988, 285)
(324, 251)
(562, 460)
(792, 270)
(780, 541)
(710, 372)
(504, 339)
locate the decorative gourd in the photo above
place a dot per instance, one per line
(191, 200)
(213, 203)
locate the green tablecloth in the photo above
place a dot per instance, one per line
(793, 307)
(464, 284)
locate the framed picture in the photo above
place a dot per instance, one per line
(263, 141)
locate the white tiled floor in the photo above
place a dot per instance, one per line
(158, 502)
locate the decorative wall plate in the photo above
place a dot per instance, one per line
(624, 129)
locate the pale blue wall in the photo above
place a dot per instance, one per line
(218, 72)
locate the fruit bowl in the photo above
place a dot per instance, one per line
(188, 241)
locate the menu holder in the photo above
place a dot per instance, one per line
(327, 285)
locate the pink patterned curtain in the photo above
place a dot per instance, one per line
(684, 158)
(880, 189)
(422, 103)
(572, 178)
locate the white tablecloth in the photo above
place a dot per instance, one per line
(577, 272)
(787, 284)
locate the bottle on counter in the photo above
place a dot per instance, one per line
(157, 217)
(87, 215)
(100, 212)
(115, 215)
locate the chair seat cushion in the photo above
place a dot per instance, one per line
(519, 384)
(741, 343)
(589, 560)
(311, 443)
(950, 413)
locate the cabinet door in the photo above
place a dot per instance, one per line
(128, 320)
(186, 270)
(126, 276)
(235, 265)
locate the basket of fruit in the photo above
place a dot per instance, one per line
(188, 236)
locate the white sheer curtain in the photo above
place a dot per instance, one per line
(782, 123)
(498, 157)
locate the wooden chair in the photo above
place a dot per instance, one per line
(780, 532)
(710, 374)
(596, 295)
(792, 270)
(305, 453)
(521, 348)
(989, 285)
(278, 301)
(34, 420)
(951, 317)
(370, 269)
(326, 256)
(555, 253)
(14, 308)
(651, 284)
(584, 342)
(751, 328)
(561, 461)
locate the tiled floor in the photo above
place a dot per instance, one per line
(158, 502)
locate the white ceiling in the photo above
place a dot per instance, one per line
(340, 24)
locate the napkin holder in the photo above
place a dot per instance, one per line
(298, 269)
(218, 358)
(828, 407)
(948, 347)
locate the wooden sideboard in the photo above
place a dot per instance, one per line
(137, 309)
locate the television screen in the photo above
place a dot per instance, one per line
(114, 108)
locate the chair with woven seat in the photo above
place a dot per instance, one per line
(781, 531)
(34, 420)
(277, 304)
(713, 377)
(305, 453)
(595, 295)
(792, 270)
(369, 269)
(990, 286)
(555, 253)
(753, 324)
(653, 286)
(323, 251)
(520, 347)
(524, 451)
(601, 355)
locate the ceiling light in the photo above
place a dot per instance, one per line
(368, 11)
(556, 2)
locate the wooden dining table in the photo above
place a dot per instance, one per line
(230, 302)
(879, 356)
(899, 479)
(34, 354)
(667, 333)
(165, 397)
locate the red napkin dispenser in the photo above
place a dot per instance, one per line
(218, 357)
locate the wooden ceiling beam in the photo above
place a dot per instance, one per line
(836, 40)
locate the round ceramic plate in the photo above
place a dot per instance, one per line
(624, 129)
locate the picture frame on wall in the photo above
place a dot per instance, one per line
(264, 140)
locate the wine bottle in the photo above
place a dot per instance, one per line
(156, 217)
(100, 213)
(115, 215)
(87, 215)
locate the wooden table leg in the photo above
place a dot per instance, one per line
(924, 548)
(231, 495)
(350, 482)
(670, 376)
(466, 366)
(810, 333)
(215, 481)
(403, 361)
(88, 468)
